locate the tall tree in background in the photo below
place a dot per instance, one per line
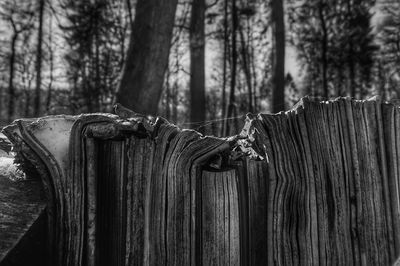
(322, 8)
(278, 54)
(224, 62)
(39, 60)
(333, 38)
(25, 75)
(313, 25)
(359, 44)
(19, 15)
(197, 64)
(337, 50)
(50, 52)
(234, 57)
(245, 33)
(93, 31)
(147, 59)
(173, 94)
(389, 55)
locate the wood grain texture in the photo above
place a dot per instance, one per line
(316, 185)
(333, 189)
(220, 218)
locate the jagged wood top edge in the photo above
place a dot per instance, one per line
(122, 125)
(128, 123)
(100, 130)
(304, 102)
(100, 126)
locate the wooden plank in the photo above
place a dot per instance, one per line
(345, 194)
(178, 199)
(326, 192)
(139, 155)
(156, 253)
(220, 218)
(390, 123)
(111, 236)
(258, 183)
(92, 173)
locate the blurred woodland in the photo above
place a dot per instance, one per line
(193, 61)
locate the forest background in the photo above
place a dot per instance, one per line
(197, 63)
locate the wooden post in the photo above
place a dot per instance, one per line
(317, 185)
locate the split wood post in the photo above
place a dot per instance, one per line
(316, 185)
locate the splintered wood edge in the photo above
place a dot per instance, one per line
(51, 136)
(252, 121)
(45, 143)
(53, 133)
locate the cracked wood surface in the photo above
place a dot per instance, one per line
(316, 185)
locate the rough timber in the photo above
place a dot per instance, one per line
(316, 185)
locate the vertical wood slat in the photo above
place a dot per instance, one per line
(311, 201)
(220, 218)
(178, 194)
(258, 184)
(383, 166)
(139, 153)
(120, 206)
(156, 253)
(91, 165)
(111, 202)
(130, 206)
(396, 161)
(391, 126)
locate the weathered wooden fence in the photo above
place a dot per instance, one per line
(317, 185)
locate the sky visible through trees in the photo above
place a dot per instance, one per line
(74, 56)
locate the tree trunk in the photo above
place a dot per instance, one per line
(167, 96)
(51, 70)
(256, 90)
(197, 75)
(11, 90)
(278, 70)
(225, 58)
(231, 105)
(247, 71)
(39, 60)
(175, 87)
(98, 86)
(350, 57)
(147, 58)
(129, 7)
(324, 52)
(175, 101)
(350, 61)
(28, 99)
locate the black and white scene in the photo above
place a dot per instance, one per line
(199, 132)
